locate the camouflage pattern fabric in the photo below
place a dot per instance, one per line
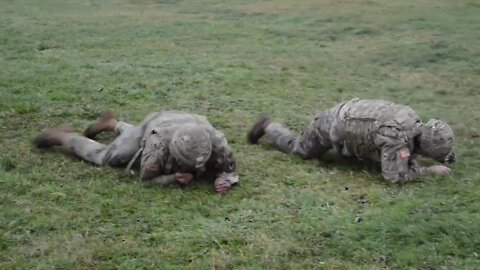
(150, 140)
(367, 129)
(159, 132)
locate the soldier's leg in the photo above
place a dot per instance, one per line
(310, 144)
(281, 136)
(117, 153)
(106, 122)
(121, 127)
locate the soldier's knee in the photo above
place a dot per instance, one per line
(301, 153)
(116, 160)
(113, 158)
(306, 149)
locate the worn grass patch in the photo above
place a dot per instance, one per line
(66, 61)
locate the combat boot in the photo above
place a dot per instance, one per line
(106, 122)
(258, 129)
(53, 137)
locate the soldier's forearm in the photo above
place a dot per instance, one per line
(415, 172)
(421, 170)
(164, 179)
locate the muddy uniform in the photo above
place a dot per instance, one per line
(372, 129)
(150, 140)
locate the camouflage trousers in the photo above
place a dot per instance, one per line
(312, 143)
(117, 153)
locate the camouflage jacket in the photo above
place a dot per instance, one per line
(378, 130)
(158, 131)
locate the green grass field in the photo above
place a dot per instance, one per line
(65, 61)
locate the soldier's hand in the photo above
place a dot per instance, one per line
(183, 178)
(221, 185)
(439, 169)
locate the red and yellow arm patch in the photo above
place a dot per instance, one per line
(404, 153)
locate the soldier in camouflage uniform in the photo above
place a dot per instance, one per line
(373, 129)
(173, 147)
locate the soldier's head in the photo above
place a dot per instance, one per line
(436, 140)
(191, 146)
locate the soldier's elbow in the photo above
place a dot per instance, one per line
(395, 178)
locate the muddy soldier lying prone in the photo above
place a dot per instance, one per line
(173, 147)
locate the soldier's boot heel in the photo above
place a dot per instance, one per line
(258, 129)
(106, 122)
(53, 137)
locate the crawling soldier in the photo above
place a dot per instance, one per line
(173, 147)
(373, 129)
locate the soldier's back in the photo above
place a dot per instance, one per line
(171, 120)
(363, 118)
